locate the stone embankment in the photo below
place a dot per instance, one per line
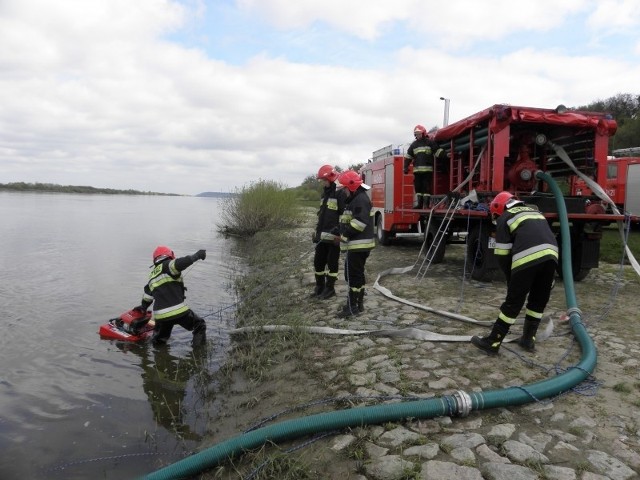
(589, 433)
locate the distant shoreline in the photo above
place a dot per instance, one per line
(54, 188)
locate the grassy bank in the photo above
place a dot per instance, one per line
(268, 372)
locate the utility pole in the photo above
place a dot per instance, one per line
(445, 122)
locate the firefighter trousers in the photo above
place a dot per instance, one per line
(326, 257)
(354, 269)
(533, 285)
(423, 183)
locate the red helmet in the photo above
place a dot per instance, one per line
(350, 179)
(162, 252)
(499, 202)
(327, 172)
(419, 131)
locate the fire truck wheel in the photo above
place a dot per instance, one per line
(478, 253)
(581, 251)
(578, 274)
(383, 238)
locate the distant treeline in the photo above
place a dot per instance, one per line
(50, 187)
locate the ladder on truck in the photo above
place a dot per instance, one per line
(440, 235)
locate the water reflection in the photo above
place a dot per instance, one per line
(166, 380)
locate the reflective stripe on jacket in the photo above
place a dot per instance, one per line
(356, 223)
(422, 153)
(523, 235)
(331, 207)
(166, 288)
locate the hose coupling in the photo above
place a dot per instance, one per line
(463, 402)
(574, 310)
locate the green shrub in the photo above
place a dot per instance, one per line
(264, 205)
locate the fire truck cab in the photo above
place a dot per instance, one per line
(622, 185)
(499, 148)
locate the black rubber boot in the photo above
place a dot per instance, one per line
(528, 339)
(351, 307)
(317, 291)
(329, 290)
(199, 332)
(361, 300)
(491, 343)
(418, 205)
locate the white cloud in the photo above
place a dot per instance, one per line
(102, 93)
(613, 15)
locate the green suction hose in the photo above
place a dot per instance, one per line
(458, 404)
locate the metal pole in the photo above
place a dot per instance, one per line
(445, 122)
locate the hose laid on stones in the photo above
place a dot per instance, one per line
(458, 404)
(410, 332)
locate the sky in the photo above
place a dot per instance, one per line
(188, 96)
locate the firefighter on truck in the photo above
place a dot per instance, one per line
(422, 153)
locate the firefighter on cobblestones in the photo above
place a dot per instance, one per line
(422, 153)
(527, 253)
(327, 235)
(357, 240)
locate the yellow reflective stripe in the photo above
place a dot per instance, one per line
(172, 267)
(534, 256)
(358, 245)
(161, 280)
(332, 204)
(422, 169)
(170, 311)
(533, 314)
(506, 319)
(328, 236)
(516, 220)
(501, 251)
(358, 225)
(425, 149)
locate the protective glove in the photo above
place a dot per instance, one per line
(199, 255)
(337, 240)
(140, 309)
(406, 171)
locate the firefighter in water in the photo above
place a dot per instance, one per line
(527, 253)
(422, 153)
(327, 235)
(165, 289)
(356, 230)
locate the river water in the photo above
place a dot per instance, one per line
(73, 405)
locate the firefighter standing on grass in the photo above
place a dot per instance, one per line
(327, 235)
(527, 253)
(422, 153)
(356, 230)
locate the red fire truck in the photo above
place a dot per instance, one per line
(622, 184)
(499, 148)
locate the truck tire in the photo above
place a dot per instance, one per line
(478, 253)
(578, 268)
(438, 255)
(382, 237)
(578, 272)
